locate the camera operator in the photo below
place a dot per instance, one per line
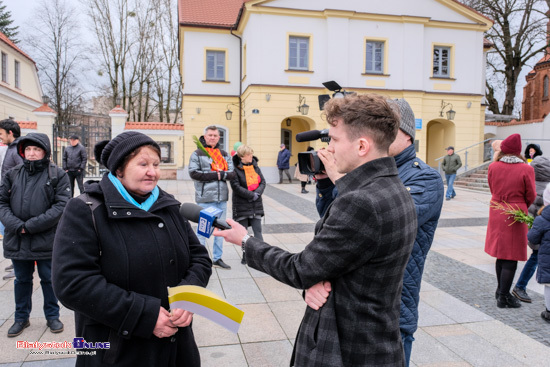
(361, 245)
(426, 188)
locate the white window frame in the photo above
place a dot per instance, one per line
(298, 58)
(17, 71)
(219, 60)
(4, 67)
(373, 44)
(438, 61)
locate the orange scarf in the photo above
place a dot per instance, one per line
(218, 162)
(252, 178)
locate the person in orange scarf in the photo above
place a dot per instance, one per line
(211, 175)
(248, 186)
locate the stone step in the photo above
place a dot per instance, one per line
(468, 179)
(472, 184)
(478, 175)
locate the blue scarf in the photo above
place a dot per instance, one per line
(146, 205)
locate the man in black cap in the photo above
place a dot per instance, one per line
(74, 162)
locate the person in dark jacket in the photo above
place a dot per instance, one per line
(361, 245)
(113, 261)
(75, 159)
(451, 164)
(248, 186)
(9, 134)
(31, 203)
(283, 159)
(539, 234)
(532, 151)
(541, 165)
(426, 188)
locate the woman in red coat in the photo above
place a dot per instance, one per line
(511, 181)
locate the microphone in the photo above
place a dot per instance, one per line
(311, 135)
(207, 218)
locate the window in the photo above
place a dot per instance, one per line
(298, 53)
(442, 59)
(215, 65)
(4, 67)
(166, 152)
(545, 87)
(223, 138)
(286, 138)
(17, 75)
(375, 57)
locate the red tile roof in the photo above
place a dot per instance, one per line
(513, 122)
(27, 124)
(209, 13)
(153, 126)
(118, 109)
(9, 42)
(44, 108)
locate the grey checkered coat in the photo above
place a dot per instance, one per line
(361, 245)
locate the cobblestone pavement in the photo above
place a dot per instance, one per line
(459, 324)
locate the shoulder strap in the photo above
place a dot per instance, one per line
(92, 203)
(52, 175)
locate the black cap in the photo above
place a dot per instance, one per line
(450, 147)
(123, 144)
(74, 137)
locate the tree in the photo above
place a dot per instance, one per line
(518, 35)
(59, 56)
(6, 24)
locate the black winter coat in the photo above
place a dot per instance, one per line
(75, 158)
(243, 205)
(117, 293)
(540, 234)
(28, 198)
(12, 158)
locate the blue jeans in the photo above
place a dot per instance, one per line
(450, 181)
(407, 340)
(2, 228)
(217, 249)
(528, 270)
(22, 287)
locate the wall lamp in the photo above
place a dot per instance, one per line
(302, 106)
(267, 97)
(198, 109)
(450, 114)
(288, 122)
(229, 113)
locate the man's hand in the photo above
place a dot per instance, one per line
(181, 318)
(317, 295)
(330, 167)
(234, 235)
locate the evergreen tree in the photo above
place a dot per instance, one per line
(5, 23)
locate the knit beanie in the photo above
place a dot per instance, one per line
(407, 123)
(546, 195)
(115, 151)
(511, 145)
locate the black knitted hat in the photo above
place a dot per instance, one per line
(115, 151)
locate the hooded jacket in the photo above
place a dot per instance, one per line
(29, 200)
(541, 165)
(208, 188)
(538, 152)
(243, 204)
(540, 234)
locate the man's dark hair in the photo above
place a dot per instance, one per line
(366, 114)
(11, 125)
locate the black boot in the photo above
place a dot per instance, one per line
(17, 328)
(507, 300)
(545, 315)
(304, 191)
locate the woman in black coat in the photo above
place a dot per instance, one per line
(114, 270)
(32, 198)
(248, 186)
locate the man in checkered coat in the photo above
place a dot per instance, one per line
(361, 245)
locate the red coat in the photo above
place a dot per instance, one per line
(512, 183)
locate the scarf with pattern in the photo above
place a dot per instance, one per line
(218, 162)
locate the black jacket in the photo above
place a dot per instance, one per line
(243, 204)
(117, 294)
(12, 158)
(75, 158)
(536, 147)
(28, 198)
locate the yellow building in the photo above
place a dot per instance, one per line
(263, 60)
(20, 91)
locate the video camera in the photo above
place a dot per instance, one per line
(309, 162)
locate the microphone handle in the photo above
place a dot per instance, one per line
(221, 224)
